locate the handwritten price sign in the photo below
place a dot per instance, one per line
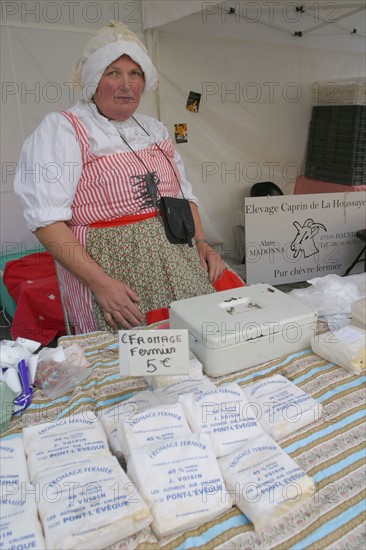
(153, 352)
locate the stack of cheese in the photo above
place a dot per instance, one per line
(195, 371)
(181, 481)
(178, 472)
(86, 498)
(281, 407)
(345, 347)
(192, 449)
(264, 481)
(121, 413)
(224, 415)
(20, 527)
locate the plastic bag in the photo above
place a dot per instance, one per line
(331, 296)
(56, 379)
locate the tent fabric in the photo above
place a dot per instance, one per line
(253, 117)
(159, 12)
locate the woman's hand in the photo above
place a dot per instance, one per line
(117, 302)
(210, 260)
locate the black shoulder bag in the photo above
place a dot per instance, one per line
(178, 220)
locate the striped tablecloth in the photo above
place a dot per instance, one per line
(332, 451)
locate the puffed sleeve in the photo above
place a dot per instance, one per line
(49, 169)
(186, 186)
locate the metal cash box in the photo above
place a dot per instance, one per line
(240, 328)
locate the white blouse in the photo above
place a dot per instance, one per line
(50, 164)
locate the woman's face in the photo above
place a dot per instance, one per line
(119, 90)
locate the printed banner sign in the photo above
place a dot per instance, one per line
(153, 352)
(293, 238)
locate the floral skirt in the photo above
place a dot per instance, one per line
(140, 255)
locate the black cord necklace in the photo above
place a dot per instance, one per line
(146, 186)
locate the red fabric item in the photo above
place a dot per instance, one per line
(155, 315)
(124, 220)
(227, 281)
(32, 283)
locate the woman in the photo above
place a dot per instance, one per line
(93, 200)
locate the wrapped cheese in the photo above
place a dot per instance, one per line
(345, 347)
(181, 482)
(122, 412)
(19, 527)
(21, 530)
(14, 469)
(171, 393)
(70, 440)
(17, 495)
(358, 313)
(90, 506)
(267, 483)
(195, 371)
(156, 424)
(224, 414)
(281, 407)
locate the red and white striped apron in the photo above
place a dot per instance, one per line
(105, 192)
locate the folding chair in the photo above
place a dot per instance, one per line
(361, 234)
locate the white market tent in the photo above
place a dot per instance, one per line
(257, 65)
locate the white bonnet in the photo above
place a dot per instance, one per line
(105, 46)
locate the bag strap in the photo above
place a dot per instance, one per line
(166, 157)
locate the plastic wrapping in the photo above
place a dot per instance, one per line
(358, 312)
(181, 482)
(195, 371)
(345, 347)
(6, 405)
(281, 407)
(331, 296)
(267, 483)
(224, 415)
(56, 379)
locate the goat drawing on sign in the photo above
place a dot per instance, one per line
(304, 241)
